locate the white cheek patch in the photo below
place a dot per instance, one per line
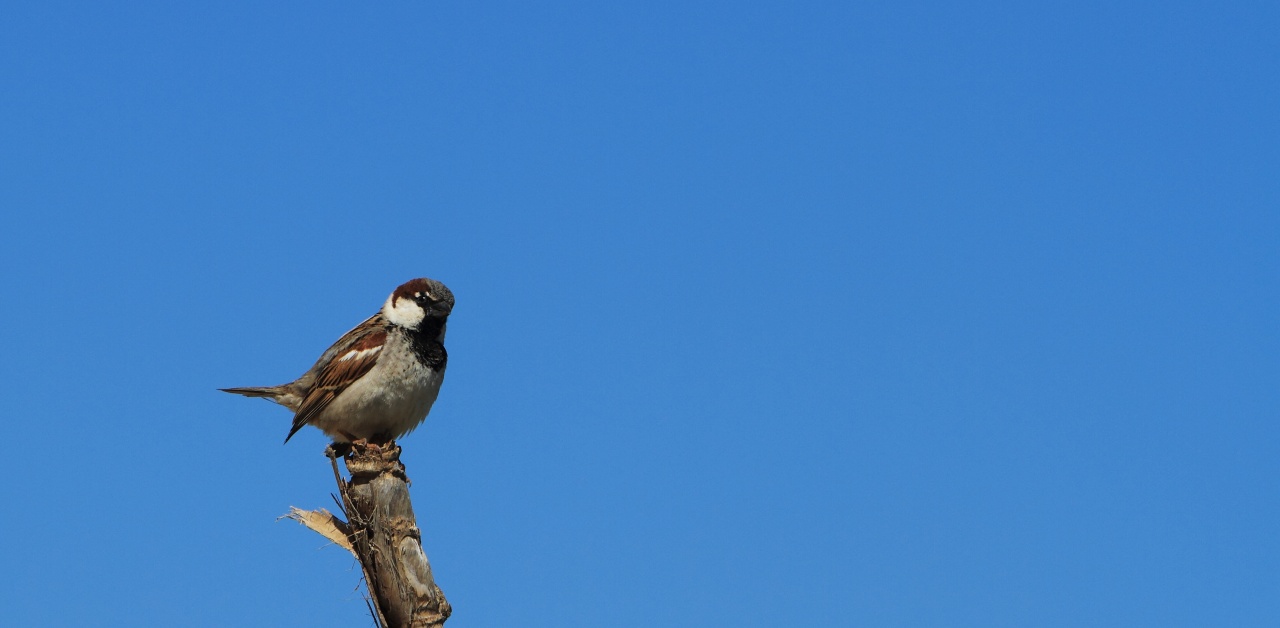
(403, 312)
(356, 355)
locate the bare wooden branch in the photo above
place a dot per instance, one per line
(382, 532)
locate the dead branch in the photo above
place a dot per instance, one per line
(382, 532)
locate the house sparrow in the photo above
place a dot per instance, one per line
(378, 381)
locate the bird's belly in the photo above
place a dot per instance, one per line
(386, 404)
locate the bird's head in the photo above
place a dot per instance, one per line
(418, 301)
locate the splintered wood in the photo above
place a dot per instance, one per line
(326, 524)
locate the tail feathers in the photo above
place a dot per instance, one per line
(255, 391)
(285, 395)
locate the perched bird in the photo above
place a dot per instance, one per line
(378, 381)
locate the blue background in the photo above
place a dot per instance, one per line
(769, 314)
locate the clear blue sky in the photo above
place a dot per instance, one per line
(769, 314)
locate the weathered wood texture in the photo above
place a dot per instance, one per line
(383, 534)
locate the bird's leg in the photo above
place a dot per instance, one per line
(357, 444)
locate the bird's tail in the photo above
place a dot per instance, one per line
(255, 391)
(285, 394)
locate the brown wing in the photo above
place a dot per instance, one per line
(345, 366)
(367, 326)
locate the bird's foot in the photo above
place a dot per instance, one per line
(364, 446)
